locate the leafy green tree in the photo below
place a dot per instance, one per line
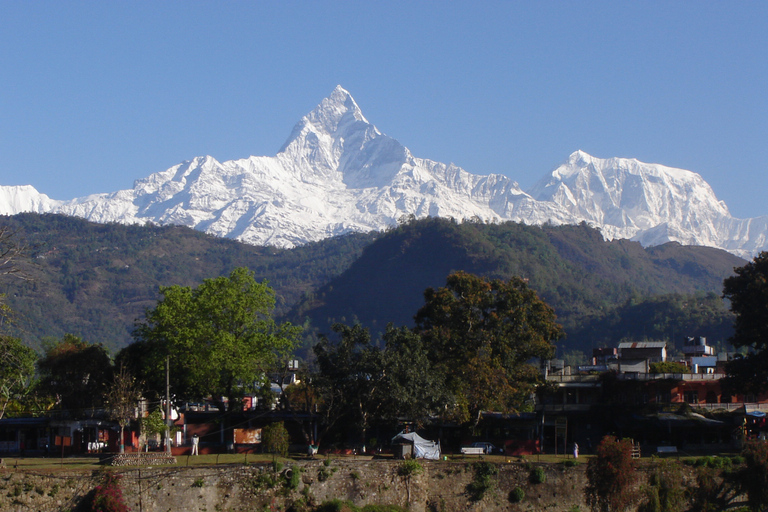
(482, 335)
(154, 423)
(75, 373)
(357, 382)
(350, 379)
(611, 476)
(747, 292)
(276, 439)
(17, 368)
(220, 339)
(414, 387)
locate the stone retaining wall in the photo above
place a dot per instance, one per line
(442, 486)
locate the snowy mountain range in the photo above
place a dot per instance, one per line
(337, 173)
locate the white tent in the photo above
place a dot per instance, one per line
(422, 448)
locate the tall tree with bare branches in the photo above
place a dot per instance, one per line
(121, 399)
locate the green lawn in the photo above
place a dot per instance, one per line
(92, 462)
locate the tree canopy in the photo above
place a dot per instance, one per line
(483, 335)
(359, 381)
(747, 292)
(349, 382)
(220, 339)
(75, 373)
(17, 368)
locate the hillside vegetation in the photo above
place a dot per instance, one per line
(95, 280)
(602, 291)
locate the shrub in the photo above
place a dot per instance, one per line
(483, 481)
(410, 467)
(264, 480)
(292, 478)
(516, 495)
(336, 506)
(611, 476)
(108, 497)
(713, 462)
(665, 491)
(537, 476)
(346, 506)
(570, 463)
(199, 482)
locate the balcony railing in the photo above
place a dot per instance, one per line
(640, 376)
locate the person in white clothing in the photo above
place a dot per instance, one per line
(195, 443)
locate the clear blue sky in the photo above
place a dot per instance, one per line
(94, 95)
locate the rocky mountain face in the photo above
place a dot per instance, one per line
(337, 173)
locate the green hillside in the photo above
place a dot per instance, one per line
(602, 291)
(95, 280)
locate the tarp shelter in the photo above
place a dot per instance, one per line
(422, 448)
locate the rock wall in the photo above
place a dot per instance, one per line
(442, 486)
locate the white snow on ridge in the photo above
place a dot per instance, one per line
(24, 198)
(337, 173)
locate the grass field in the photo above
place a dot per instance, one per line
(93, 462)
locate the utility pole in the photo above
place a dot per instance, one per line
(167, 404)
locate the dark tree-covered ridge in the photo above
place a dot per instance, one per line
(95, 280)
(601, 291)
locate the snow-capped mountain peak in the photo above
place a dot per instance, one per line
(626, 198)
(337, 173)
(337, 113)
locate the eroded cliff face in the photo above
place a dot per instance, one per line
(442, 486)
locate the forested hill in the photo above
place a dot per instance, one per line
(602, 291)
(95, 280)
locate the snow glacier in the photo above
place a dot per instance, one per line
(337, 173)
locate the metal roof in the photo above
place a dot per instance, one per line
(642, 344)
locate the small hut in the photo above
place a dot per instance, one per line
(413, 446)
